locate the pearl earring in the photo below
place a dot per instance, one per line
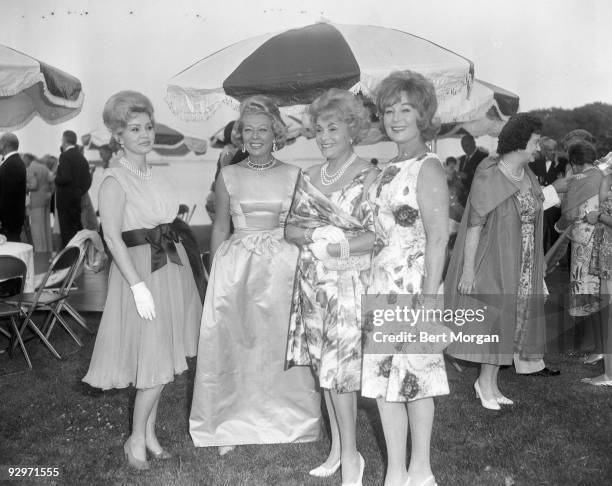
(274, 148)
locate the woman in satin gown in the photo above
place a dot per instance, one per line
(242, 395)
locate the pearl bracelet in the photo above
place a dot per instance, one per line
(308, 235)
(345, 249)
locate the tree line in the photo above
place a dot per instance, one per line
(594, 117)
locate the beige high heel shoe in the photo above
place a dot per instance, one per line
(132, 461)
(163, 454)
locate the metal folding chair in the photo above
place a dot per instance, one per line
(67, 286)
(53, 301)
(14, 268)
(190, 215)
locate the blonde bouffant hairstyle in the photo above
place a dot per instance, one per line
(422, 95)
(262, 105)
(347, 107)
(123, 106)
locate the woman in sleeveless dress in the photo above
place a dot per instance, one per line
(601, 264)
(410, 202)
(150, 319)
(332, 222)
(242, 395)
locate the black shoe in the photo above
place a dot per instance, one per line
(545, 372)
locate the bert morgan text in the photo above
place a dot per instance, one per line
(426, 337)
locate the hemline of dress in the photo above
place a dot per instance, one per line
(123, 385)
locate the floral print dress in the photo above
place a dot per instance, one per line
(398, 267)
(527, 212)
(584, 285)
(601, 259)
(325, 323)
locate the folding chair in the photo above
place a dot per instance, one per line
(66, 284)
(190, 215)
(53, 301)
(14, 268)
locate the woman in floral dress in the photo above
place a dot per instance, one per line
(410, 202)
(499, 258)
(332, 222)
(601, 264)
(582, 198)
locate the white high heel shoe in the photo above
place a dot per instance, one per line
(502, 400)
(360, 478)
(325, 471)
(430, 481)
(225, 449)
(490, 403)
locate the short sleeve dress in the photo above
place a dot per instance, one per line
(130, 350)
(398, 267)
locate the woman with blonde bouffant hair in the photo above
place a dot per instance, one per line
(242, 395)
(153, 306)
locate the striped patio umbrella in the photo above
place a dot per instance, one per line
(168, 141)
(297, 65)
(500, 104)
(29, 87)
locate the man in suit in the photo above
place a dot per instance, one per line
(548, 169)
(469, 162)
(72, 181)
(12, 188)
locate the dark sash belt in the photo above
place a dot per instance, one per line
(163, 241)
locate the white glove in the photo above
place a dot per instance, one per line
(144, 301)
(332, 234)
(319, 249)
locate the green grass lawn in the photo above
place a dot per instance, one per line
(559, 432)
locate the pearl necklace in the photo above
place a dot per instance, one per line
(329, 179)
(506, 167)
(145, 175)
(260, 167)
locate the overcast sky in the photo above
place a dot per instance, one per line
(550, 52)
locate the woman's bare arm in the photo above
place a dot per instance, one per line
(221, 226)
(433, 200)
(111, 206)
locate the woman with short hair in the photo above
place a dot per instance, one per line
(499, 256)
(332, 222)
(241, 394)
(153, 306)
(411, 203)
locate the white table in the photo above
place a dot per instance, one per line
(24, 252)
